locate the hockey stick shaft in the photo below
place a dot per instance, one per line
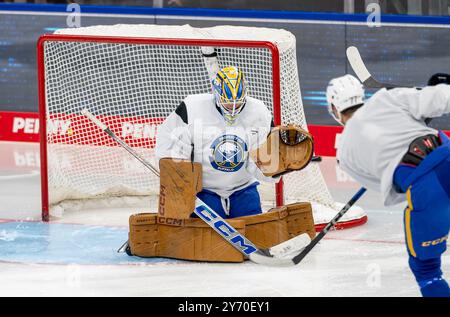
(105, 128)
(297, 259)
(203, 211)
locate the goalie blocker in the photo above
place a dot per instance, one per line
(172, 233)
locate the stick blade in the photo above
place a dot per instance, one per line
(260, 258)
(361, 71)
(289, 248)
(282, 255)
(355, 60)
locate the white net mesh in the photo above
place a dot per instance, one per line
(133, 87)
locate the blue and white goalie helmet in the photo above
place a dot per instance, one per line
(230, 92)
(343, 93)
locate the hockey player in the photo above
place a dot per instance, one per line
(219, 130)
(386, 146)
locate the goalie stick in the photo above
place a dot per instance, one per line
(270, 257)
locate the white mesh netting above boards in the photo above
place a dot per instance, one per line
(132, 88)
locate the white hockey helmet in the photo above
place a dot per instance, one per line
(343, 93)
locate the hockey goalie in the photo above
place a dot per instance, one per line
(219, 147)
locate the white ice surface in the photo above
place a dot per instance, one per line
(366, 261)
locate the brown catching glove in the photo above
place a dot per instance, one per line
(288, 148)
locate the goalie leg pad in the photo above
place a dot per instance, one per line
(186, 239)
(191, 239)
(180, 181)
(280, 224)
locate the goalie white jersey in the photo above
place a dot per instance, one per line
(378, 135)
(197, 131)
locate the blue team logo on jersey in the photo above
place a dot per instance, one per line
(228, 153)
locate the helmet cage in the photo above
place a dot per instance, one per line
(230, 92)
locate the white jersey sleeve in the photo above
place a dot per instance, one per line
(429, 102)
(174, 138)
(378, 135)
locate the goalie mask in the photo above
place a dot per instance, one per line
(343, 93)
(230, 92)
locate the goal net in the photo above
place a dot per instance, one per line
(132, 77)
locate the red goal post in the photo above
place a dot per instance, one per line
(49, 112)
